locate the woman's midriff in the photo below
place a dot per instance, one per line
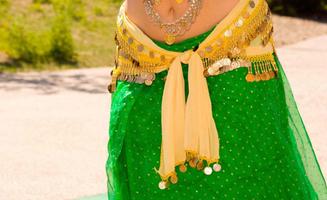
(212, 13)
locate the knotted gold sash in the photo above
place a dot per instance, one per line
(186, 127)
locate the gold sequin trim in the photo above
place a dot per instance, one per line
(254, 20)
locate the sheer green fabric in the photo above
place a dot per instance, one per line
(265, 149)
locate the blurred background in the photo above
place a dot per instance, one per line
(55, 60)
(60, 34)
(53, 34)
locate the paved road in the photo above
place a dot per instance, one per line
(54, 125)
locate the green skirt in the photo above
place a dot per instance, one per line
(264, 147)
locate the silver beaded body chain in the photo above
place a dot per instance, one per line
(178, 27)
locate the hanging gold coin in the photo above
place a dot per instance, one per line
(267, 77)
(250, 77)
(257, 77)
(173, 179)
(272, 74)
(262, 76)
(192, 163)
(170, 39)
(111, 88)
(182, 168)
(199, 166)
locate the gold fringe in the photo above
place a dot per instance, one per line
(263, 68)
(193, 160)
(114, 76)
(135, 58)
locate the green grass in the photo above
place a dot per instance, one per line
(32, 40)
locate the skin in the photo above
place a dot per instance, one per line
(212, 12)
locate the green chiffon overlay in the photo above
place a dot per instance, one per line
(265, 150)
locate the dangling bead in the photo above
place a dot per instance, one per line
(174, 179)
(207, 170)
(170, 39)
(193, 162)
(182, 168)
(163, 185)
(216, 167)
(199, 166)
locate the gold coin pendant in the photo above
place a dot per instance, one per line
(170, 39)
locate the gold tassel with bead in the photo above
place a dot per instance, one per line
(263, 68)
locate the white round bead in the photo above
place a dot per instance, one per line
(228, 33)
(226, 61)
(239, 23)
(216, 167)
(162, 185)
(212, 70)
(208, 170)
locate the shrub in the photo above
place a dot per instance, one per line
(39, 46)
(3, 2)
(42, 1)
(98, 11)
(36, 7)
(62, 44)
(296, 7)
(4, 5)
(27, 45)
(74, 9)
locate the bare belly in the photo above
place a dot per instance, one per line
(212, 12)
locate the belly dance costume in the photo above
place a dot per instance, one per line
(209, 118)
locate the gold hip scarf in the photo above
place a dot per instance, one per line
(189, 133)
